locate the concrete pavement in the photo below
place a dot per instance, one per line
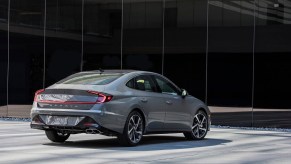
(20, 144)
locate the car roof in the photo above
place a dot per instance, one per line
(114, 71)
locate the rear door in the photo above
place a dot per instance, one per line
(149, 100)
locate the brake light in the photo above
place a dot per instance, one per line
(102, 97)
(37, 93)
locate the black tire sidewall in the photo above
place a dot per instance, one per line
(55, 137)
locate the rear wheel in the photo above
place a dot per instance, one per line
(133, 130)
(56, 136)
(199, 127)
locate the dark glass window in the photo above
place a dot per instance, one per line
(102, 34)
(27, 13)
(63, 39)
(90, 79)
(3, 56)
(231, 26)
(26, 54)
(185, 44)
(143, 35)
(130, 83)
(65, 16)
(272, 64)
(3, 11)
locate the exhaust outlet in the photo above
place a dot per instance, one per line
(93, 131)
(89, 131)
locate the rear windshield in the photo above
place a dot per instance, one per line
(90, 79)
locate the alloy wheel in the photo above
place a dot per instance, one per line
(135, 128)
(199, 128)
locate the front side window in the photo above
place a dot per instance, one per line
(143, 83)
(166, 87)
(90, 79)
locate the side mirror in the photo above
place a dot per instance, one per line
(184, 93)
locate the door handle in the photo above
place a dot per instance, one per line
(143, 100)
(169, 102)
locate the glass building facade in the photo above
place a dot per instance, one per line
(233, 54)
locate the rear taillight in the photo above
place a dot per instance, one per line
(37, 93)
(102, 97)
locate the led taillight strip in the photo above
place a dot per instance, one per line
(101, 99)
(66, 102)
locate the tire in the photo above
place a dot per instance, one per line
(199, 127)
(55, 136)
(133, 130)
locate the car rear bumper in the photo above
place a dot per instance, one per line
(97, 120)
(75, 129)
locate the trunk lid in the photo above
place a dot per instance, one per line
(66, 96)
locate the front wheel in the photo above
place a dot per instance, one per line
(133, 130)
(199, 127)
(55, 136)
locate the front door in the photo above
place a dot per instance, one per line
(177, 115)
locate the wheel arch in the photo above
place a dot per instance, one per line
(203, 110)
(207, 112)
(142, 114)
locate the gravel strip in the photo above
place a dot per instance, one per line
(15, 119)
(252, 128)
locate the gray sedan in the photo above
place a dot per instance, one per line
(123, 103)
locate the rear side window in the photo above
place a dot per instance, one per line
(90, 79)
(143, 83)
(130, 84)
